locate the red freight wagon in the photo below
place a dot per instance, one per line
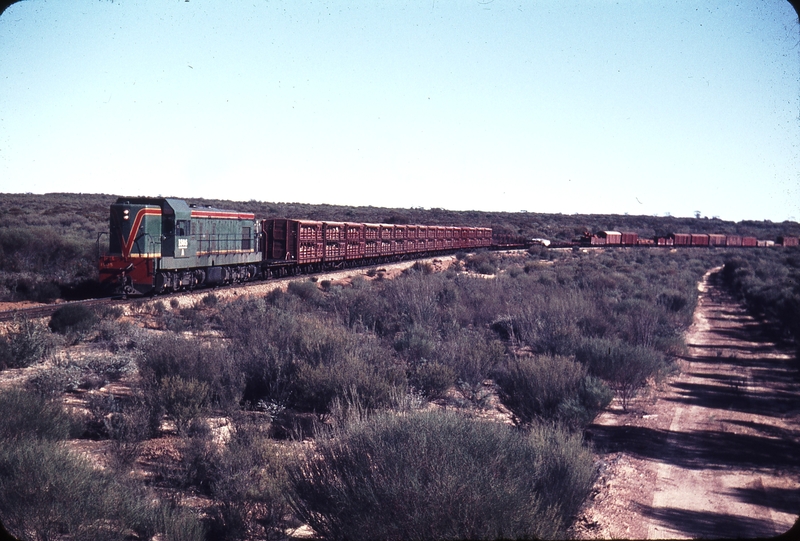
(699, 239)
(354, 235)
(733, 240)
(612, 237)
(680, 239)
(293, 240)
(333, 231)
(334, 239)
(334, 250)
(354, 250)
(629, 239)
(594, 240)
(749, 241)
(485, 236)
(463, 237)
(665, 241)
(716, 240)
(789, 241)
(645, 242)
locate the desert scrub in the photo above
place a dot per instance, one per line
(30, 415)
(72, 318)
(551, 388)
(26, 343)
(171, 365)
(440, 475)
(46, 492)
(249, 483)
(625, 367)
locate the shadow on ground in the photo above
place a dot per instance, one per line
(709, 525)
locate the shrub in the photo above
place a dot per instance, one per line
(470, 355)
(439, 475)
(26, 343)
(48, 493)
(117, 335)
(432, 378)
(72, 318)
(57, 379)
(183, 399)
(482, 263)
(31, 415)
(306, 290)
(112, 367)
(249, 485)
(626, 368)
(211, 367)
(128, 423)
(550, 388)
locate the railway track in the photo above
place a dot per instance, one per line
(47, 310)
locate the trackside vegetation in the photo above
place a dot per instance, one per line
(441, 475)
(432, 405)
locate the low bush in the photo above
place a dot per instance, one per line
(249, 485)
(482, 263)
(183, 399)
(66, 377)
(118, 335)
(547, 388)
(624, 367)
(176, 357)
(439, 475)
(72, 318)
(49, 493)
(31, 415)
(26, 343)
(126, 422)
(431, 378)
(306, 290)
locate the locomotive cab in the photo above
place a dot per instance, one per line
(134, 245)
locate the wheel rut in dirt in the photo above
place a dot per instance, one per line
(711, 453)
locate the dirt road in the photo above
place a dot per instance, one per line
(714, 452)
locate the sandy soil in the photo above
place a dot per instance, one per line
(710, 453)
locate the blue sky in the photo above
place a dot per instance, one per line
(641, 107)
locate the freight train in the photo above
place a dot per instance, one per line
(616, 238)
(159, 245)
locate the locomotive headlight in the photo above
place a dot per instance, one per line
(125, 214)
